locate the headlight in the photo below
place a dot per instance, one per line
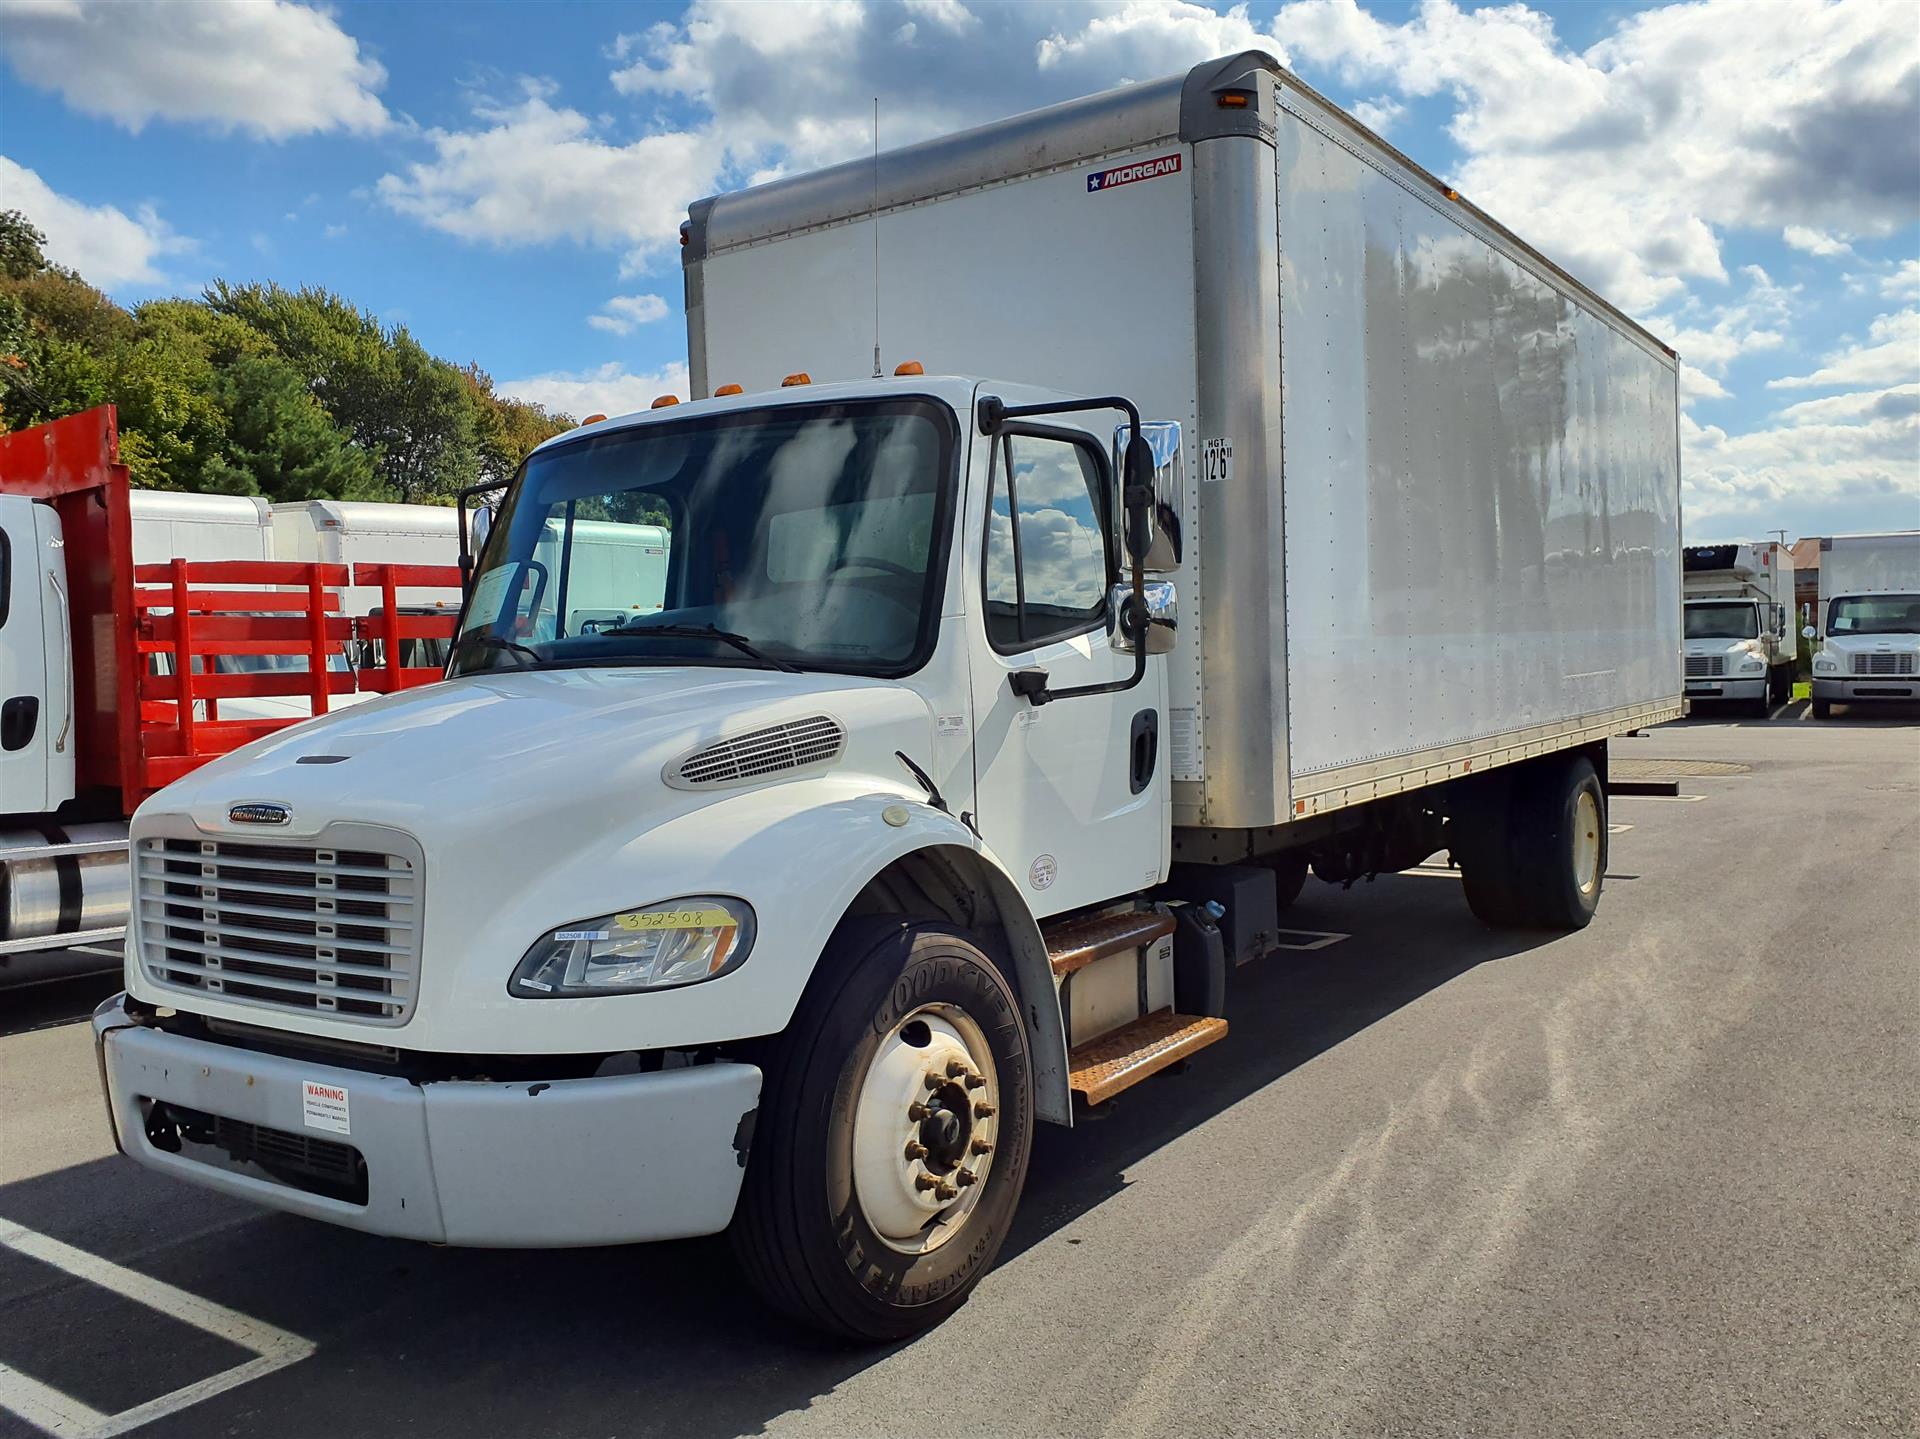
(1752, 665)
(1826, 663)
(660, 946)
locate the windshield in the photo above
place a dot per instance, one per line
(809, 533)
(1738, 621)
(1874, 615)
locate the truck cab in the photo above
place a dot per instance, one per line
(1738, 614)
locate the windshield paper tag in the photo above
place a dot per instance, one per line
(675, 919)
(324, 1106)
(1138, 170)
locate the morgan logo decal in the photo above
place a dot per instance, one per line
(259, 814)
(1138, 170)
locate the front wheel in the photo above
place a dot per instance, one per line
(891, 1146)
(1823, 709)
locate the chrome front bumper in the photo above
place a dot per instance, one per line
(611, 1160)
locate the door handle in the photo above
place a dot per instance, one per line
(1143, 749)
(19, 717)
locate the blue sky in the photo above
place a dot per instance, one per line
(507, 180)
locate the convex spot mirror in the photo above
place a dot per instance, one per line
(1157, 464)
(1809, 633)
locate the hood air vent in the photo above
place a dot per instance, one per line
(798, 744)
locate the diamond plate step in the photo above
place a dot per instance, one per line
(1102, 1067)
(1079, 943)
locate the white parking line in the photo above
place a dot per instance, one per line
(1668, 798)
(1618, 828)
(1307, 938)
(45, 1407)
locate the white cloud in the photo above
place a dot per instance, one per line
(270, 68)
(623, 314)
(108, 247)
(1379, 113)
(1903, 283)
(609, 390)
(1890, 355)
(1815, 242)
(1712, 337)
(1626, 160)
(536, 173)
(1150, 38)
(778, 88)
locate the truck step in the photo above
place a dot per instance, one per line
(1101, 1068)
(1078, 943)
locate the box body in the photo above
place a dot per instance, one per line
(1432, 481)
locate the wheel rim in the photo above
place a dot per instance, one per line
(924, 1128)
(1586, 842)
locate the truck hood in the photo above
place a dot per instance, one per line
(1717, 647)
(516, 751)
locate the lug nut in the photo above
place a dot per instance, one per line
(944, 1191)
(934, 1081)
(917, 1112)
(926, 1181)
(916, 1150)
(965, 1177)
(956, 1068)
(983, 1110)
(981, 1146)
(974, 1081)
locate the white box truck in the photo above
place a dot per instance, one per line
(1868, 628)
(1280, 509)
(1739, 624)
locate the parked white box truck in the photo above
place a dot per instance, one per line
(1868, 627)
(1280, 508)
(1739, 623)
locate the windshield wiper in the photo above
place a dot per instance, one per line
(513, 647)
(707, 632)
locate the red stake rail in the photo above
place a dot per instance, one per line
(391, 626)
(181, 617)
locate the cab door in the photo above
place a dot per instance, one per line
(1072, 794)
(35, 687)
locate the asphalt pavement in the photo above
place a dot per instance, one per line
(1659, 1177)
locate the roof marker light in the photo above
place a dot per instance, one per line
(798, 377)
(593, 419)
(1233, 100)
(909, 367)
(727, 390)
(662, 401)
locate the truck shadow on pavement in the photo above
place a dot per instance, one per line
(660, 1339)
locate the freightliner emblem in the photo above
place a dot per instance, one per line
(260, 814)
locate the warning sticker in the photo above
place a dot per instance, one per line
(1136, 170)
(324, 1106)
(1187, 762)
(1216, 460)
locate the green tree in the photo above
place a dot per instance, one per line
(21, 246)
(506, 430)
(279, 442)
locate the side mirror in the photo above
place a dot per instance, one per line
(1160, 470)
(1162, 617)
(1809, 633)
(482, 527)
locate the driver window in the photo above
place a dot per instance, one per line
(1046, 561)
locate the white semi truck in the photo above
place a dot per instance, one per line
(1868, 628)
(1278, 508)
(1739, 624)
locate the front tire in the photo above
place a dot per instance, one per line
(905, 1068)
(1823, 709)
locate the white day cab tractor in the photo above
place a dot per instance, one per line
(951, 739)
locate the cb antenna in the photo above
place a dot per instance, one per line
(876, 237)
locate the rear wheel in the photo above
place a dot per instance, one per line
(1539, 858)
(896, 1118)
(1289, 878)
